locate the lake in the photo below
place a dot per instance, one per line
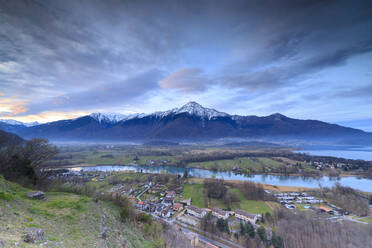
(362, 184)
(357, 153)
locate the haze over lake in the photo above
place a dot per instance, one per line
(357, 153)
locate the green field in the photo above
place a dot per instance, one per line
(255, 207)
(195, 192)
(245, 163)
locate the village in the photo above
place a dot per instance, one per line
(167, 202)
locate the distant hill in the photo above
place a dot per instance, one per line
(9, 139)
(251, 144)
(191, 122)
(160, 143)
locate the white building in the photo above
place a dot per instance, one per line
(195, 211)
(245, 216)
(219, 213)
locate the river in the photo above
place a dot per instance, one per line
(362, 184)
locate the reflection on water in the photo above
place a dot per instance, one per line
(299, 181)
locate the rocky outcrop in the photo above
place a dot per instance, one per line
(103, 233)
(39, 195)
(33, 235)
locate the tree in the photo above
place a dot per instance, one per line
(231, 197)
(25, 160)
(261, 233)
(250, 229)
(247, 228)
(207, 224)
(215, 188)
(277, 241)
(223, 225)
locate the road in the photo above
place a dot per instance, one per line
(138, 196)
(354, 220)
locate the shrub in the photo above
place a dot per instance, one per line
(5, 196)
(261, 233)
(142, 217)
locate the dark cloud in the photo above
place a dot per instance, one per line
(66, 51)
(108, 94)
(363, 92)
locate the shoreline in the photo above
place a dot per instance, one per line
(191, 167)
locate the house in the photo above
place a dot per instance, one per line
(195, 211)
(324, 209)
(245, 216)
(171, 193)
(141, 205)
(177, 207)
(219, 213)
(168, 199)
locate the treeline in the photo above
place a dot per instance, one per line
(252, 191)
(346, 198)
(303, 157)
(22, 162)
(306, 230)
(248, 236)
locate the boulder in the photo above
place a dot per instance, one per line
(39, 195)
(33, 235)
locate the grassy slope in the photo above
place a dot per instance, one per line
(68, 218)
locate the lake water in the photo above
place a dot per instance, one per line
(357, 153)
(354, 182)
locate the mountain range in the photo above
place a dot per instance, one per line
(191, 122)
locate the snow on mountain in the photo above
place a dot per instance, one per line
(114, 117)
(193, 108)
(19, 123)
(108, 117)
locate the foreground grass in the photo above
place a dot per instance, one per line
(68, 220)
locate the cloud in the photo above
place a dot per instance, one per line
(80, 55)
(364, 92)
(112, 93)
(187, 80)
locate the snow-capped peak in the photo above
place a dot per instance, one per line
(108, 117)
(194, 108)
(14, 122)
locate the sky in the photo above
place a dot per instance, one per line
(304, 59)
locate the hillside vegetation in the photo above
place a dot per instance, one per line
(68, 220)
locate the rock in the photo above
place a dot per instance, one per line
(36, 195)
(33, 235)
